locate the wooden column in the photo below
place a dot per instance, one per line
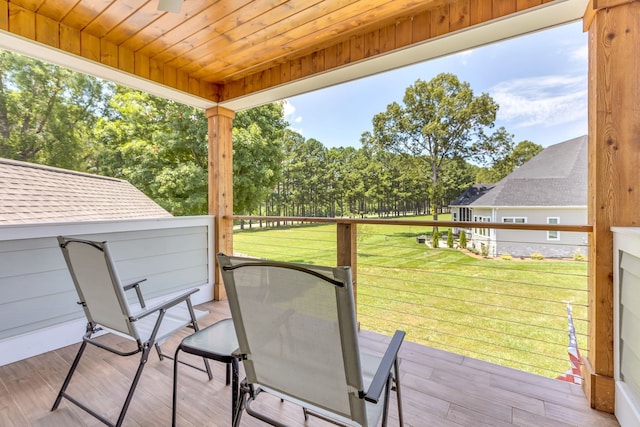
(221, 187)
(347, 252)
(614, 171)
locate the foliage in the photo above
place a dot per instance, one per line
(256, 165)
(450, 238)
(485, 249)
(161, 147)
(579, 256)
(435, 240)
(57, 117)
(438, 121)
(505, 158)
(47, 112)
(506, 257)
(463, 239)
(537, 256)
(158, 145)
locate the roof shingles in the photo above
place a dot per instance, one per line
(555, 177)
(31, 193)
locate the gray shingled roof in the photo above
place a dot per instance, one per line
(471, 194)
(31, 193)
(555, 177)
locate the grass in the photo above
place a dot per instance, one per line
(508, 312)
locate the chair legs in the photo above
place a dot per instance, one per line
(396, 368)
(67, 380)
(63, 390)
(232, 373)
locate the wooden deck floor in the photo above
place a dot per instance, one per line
(439, 389)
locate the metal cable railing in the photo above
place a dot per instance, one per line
(509, 311)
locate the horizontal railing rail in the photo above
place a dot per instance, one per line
(505, 308)
(425, 223)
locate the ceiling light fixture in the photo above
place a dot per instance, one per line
(170, 5)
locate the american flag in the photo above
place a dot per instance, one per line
(573, 374)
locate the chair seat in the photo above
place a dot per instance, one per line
(217, 342)
(176, 318)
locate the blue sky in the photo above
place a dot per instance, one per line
(539, 81)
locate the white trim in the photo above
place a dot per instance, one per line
(548, 15)
(542, 17)
(513, 219)
(32, 343)
(557, 238)
(527, 207)
(627, 408)
(41, 341)
(53, 229)
(24, 46)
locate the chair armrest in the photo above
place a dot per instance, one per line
(380, 378)
(136, 286)
(164, 305)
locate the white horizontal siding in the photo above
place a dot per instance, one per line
(37, 295)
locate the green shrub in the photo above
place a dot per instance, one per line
(506, 257)
(463, 240)
(450, 239)
(485, 250)
(435, 240)
(579, 256)
(537, 256)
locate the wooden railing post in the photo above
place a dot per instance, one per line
(347, 251)
(220, 123)
(614, 161)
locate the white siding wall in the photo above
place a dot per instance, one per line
(38, 310)
(524, 243)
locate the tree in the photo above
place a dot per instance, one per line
(438, 121)
(507, 158)
(158, 145)
(256, 168)
(257, 155)
(47, 112)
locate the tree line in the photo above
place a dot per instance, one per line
(421, 154)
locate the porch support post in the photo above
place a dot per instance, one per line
(614, 171)
(220, 123)
(347, 252)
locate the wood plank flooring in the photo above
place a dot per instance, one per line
(438, 389)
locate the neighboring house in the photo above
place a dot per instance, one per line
(460, 210)
(32, 193)
(550, 188)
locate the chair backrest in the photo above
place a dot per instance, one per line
(296, 326)
(96, 280)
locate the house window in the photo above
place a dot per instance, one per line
(514, 219)
(553, 235)
(454, 216)
(482, 231)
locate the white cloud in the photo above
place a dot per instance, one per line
(290, 114)
(580, 54)
(542, 101)
(289, 109)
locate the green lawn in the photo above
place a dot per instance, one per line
(508, 312)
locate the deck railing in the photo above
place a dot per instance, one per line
(507, 309)
(38, 303)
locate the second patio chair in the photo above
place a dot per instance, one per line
(298, 340)
(102, 296)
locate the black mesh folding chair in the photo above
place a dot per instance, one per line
(106, 307)
(298, 340)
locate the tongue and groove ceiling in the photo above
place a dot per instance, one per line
(241, 53)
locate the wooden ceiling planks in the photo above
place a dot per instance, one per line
(246, 44)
